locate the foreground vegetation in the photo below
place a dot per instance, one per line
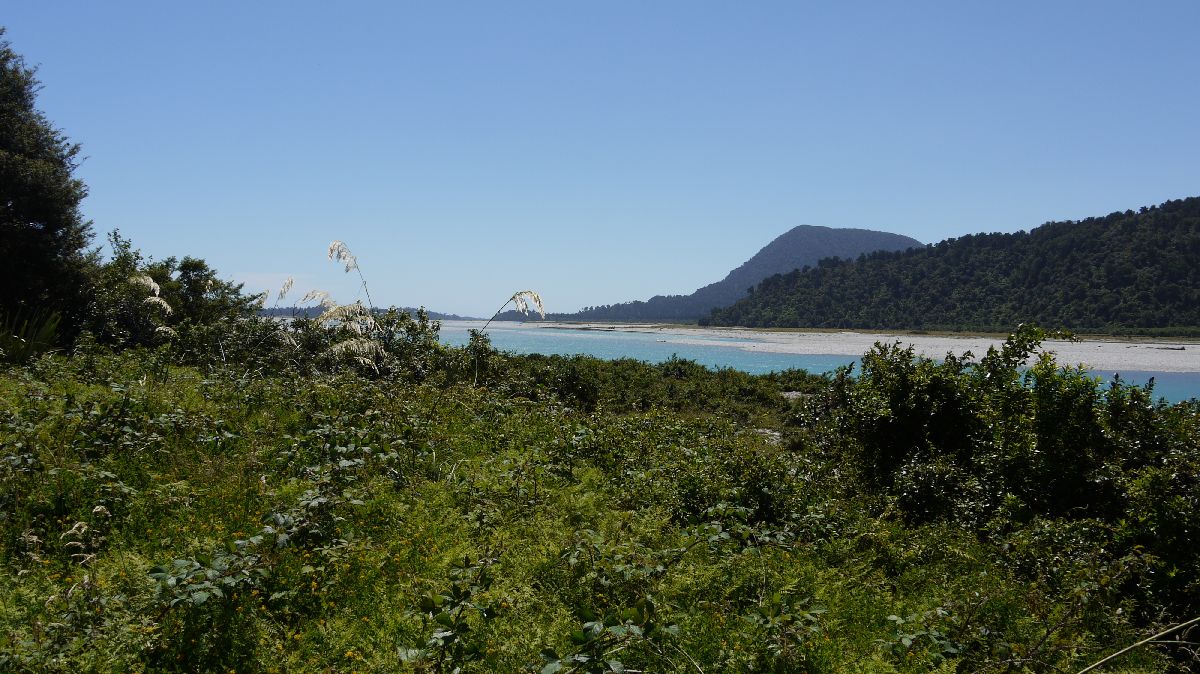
(465, 510)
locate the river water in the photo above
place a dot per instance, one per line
(742, 353)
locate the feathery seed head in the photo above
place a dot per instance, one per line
(164, 330)
(145, 280)
(360, 347)
(354, 316)
(339, 252)
(287, 285)
(362, 350)
(318, 295)
(521, 300)
(160, 303)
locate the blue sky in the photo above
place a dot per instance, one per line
(605, 151)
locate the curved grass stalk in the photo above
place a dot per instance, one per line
(1143, 642)
(340, 252)
(520, 300)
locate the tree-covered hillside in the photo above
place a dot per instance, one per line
(1125, 271)
(796, 248)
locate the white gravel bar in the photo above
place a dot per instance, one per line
(1114, 354)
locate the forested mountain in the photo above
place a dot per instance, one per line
(800, 246)
(1125, 271)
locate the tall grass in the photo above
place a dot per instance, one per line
(25, 334)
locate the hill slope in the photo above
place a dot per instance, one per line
(798, 247)
(1124, 271)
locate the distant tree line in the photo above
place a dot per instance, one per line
(316, 311)
(1128, 271)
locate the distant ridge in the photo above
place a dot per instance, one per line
(800, 246)
(1131, 271)
(316, 311)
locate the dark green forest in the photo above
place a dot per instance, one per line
(1124, 272)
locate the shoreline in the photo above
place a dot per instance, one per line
(1107, 354)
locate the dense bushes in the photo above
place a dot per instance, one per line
(993, 448)
(293, 511)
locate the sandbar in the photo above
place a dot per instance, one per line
(1115, 354)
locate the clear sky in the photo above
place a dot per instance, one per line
(601, 151)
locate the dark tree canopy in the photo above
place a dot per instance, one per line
(1124, 272)
(43, 236)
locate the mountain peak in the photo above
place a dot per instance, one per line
(800, 246)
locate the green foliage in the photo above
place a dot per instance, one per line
(596, 645)
(627, 385)
(24, 335)
(569, 514)
(786, 622)
(921, 635)
(449, 611)
(989, 445)
(1131, 273)
(204, 314)
(43, 235)
(204, 600)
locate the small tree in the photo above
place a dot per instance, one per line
(43, 236)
